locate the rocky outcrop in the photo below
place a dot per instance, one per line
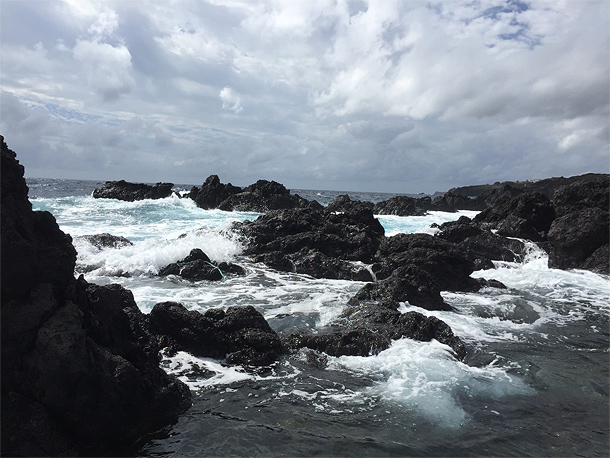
(368, 328)
(578, 237)
(197, 266)
(343, 203)
(106, 241)
(547, 186)
(76, 378)
(212, 192)
(259, 197)
(401, 206)
(527, 216)
(316, 242)
(123, 190)
(482, 246)
(240, 335)
(574, 227)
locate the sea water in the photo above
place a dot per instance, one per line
(535, 381)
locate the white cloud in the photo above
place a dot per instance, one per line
(106, 67)
(379, 94)
(230, 100)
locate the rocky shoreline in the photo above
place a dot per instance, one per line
(80, 362)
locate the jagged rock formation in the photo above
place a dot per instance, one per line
(76, 378)
(259, 197)
(123, 190)
(240, 334)
(314, 242)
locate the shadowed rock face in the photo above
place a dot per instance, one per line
(260, 197)
(123, 190)
(315, 242)
(76, 378)
(241, 334)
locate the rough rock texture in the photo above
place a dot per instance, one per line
(197, 266)
(528, 216)
(241, 334)
(316, 242)
(75, 379)
(547, 186)
(260, 197)
(450, 202)
(104, 241)
(123, 190)
(400, 206)
(369, 328)
(481, 245)
(343, 203)
(579, 240)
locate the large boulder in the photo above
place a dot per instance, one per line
(123, 190)
(451, 202)
(367, 328)
(76, 378)
(578, 237)
(302, 240)
(259, 197)
(343, 203)
(212, 192)
(481, 245)
(528, 216)
(589, 192)
(241, 334)
(400, 206)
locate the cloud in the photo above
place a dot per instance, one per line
(353, 94)
(106, 67)
(230, 100)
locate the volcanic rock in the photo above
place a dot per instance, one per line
(528, 216)
(123, 190)
(343, 203)
(75, 377)
(302, 240)
(241, 334)
(400, 206)
(197, 266)
(105, 240)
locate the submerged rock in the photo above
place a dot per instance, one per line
(197, 266)
(123, 190)
(368, 328)
(76, 379)
(103, 241)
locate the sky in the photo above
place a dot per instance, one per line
(358, 95)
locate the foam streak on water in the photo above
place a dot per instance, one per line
(534, 382)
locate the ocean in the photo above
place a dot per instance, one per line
(535, 381)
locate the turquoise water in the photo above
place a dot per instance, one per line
(535, 381)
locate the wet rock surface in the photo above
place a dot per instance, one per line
(105, 240)
(240, 334)
(315, 242)
(197, 266)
